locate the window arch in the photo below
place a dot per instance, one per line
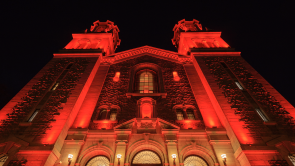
(154, 69)
(103, 114)
(113, 114)
(184, 112)
(146, 81)
(194, 161)
(146, 157)
(98, 160)
(179, 114)
(107, 112)
(190, 114)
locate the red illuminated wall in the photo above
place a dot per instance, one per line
(178, 92)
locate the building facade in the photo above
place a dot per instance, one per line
(201, 106)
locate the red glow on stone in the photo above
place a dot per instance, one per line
(146, 110)
(117, 77)
(175, 76)
(242, 134)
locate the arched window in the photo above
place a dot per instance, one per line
(146, 157)
(190, 114)
(179, 114)
(98, 160)
(146, 81)
(102, 114)
(194, 161)
(113, 114)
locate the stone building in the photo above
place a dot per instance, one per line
(201, 106)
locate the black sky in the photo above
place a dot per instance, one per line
(32, 32)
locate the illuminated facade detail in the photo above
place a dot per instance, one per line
(34, 115)
(103, 114)
(99, 161)
(113, 114)
(239, 85)
(187, 112)
(194, 161)
(3, 158)
(117, 77)
(147, 105)
(179, 114)
(146, 157)
(190, 114)
(292, 159)
(176, 77)
(145, 82)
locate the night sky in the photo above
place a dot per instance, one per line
(32, 32)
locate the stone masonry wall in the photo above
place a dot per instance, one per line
(114, 93)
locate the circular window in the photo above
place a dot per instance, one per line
(98, 161)
(146, 157)
(194, 161)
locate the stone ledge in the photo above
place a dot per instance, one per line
(129, 95)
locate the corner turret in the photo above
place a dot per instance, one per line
(103, 37)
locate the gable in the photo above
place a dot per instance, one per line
(146, 50)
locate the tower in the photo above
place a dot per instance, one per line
(203, 105)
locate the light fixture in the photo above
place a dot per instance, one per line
(70, 156)
(175, 76)
(117, 76)
(239, 85)
(118, 157)
(223, 156)
(174, 157)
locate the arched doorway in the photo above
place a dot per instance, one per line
(146, 158)
(98, 161)
(194, 161)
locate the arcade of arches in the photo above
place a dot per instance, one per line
(148, 158)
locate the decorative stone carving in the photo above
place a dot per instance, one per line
(99, 160)
(185, 26)
(107, 27)
(194, 161)
(147, 49)
(146, 124)
(146, 157)
(146, 136)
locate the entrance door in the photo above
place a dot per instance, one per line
(146, 158)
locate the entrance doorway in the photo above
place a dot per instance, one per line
(146, 158)
(194, 161)
(98, 161)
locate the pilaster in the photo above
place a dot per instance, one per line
(120, 149)
(172, 149)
